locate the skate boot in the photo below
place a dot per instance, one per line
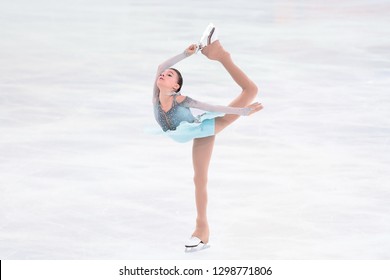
(194, 244)
(209, 36)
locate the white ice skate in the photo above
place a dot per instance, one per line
(209, 36)
(194, 244)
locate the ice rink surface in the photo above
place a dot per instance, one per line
(306, 178)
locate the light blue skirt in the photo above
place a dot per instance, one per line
(204, 126)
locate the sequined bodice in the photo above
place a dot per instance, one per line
(173, 117)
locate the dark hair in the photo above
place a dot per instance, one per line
(179, 80)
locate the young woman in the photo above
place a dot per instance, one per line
(172, 112)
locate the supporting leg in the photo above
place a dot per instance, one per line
(201, 156)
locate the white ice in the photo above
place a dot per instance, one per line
(306, 178)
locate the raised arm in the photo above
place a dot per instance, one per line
(170, 62)
(191, 103)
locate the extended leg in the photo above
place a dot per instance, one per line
(215, 51)
(201, 156)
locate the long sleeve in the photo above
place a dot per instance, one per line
(165, 65)
(191, 103)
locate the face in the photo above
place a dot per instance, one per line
(168, 80)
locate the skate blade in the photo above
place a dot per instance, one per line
(198, 248)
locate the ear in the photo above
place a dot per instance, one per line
(176, 87)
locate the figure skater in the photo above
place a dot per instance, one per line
(172, 112)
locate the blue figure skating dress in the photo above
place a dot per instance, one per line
(178, 122)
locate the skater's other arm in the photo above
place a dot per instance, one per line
(169, 63)
(192, 103)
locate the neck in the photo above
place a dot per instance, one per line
(165, 95)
